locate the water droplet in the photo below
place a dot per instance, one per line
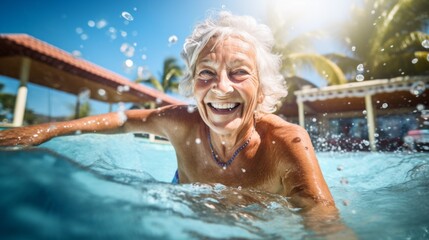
(314, 120)
(127, 16)
(124, 34)
(418, 88)
(172, 39)
(243, 170)
(84, 37)
(425, 43)
(340, 168)
(197, 140)
(126, 88)
(353, 48)
(420, 107)
(127, 50)
(120, 89)
(296, 140)
(158, 101)
(79, 30)
(76, 53)
(101, 24)
(414, 61)
(224, 168)
(360, 78)
(191, 108)
(101, 92)
(91, 23)
(384, 105)
(360, 67)
(144, 57)
(274, 142)
(128, 63)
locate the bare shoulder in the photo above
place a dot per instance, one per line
(282, 130)
(179, 120)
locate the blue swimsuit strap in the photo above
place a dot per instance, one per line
(176, 178)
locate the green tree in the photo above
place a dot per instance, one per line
(387, 37)
(298, 53)
(169, 77)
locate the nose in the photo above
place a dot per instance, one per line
(222, 85)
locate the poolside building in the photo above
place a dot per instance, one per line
(29, 60)
(368, 115)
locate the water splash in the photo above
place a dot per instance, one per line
(360, 67)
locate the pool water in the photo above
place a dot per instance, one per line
(117, 187)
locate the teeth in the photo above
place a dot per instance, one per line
(224, 105)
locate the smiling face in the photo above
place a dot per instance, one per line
(226, 84)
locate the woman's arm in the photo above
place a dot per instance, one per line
(37, 134)
(157, 121)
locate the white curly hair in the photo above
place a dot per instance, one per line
(272, 83)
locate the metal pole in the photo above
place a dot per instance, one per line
(301, 113)
(21, 97)
(370, 117)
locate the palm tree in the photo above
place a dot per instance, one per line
(297, 53)
(169, 78)
(387, 37)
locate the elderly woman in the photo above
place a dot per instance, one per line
(233, 138)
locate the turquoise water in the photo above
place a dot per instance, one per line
(117, 187)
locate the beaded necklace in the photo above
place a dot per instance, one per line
(222, 164)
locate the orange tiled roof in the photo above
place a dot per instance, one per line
(63, 71)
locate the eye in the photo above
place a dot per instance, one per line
(206, 73)
(240, 72)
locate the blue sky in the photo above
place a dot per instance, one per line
(69, 25)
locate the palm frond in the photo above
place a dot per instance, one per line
(322, 65)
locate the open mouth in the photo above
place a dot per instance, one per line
(223, 107)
